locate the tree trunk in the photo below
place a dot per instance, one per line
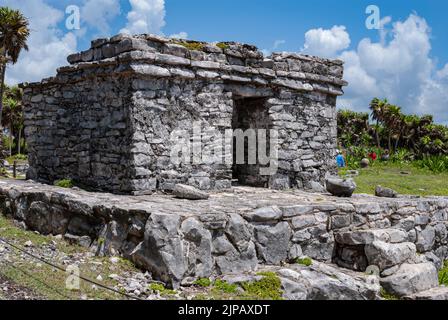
(11, 139)
(390, 142)
(377, 135)
(20, 141)
(2, 84)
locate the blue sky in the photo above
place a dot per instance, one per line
(406, 62)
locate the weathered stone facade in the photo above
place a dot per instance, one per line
(105, 121)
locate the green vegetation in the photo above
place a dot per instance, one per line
(394, 135)
(160, 288)
(267, 288)
(14, 33)
(191, 45)
(17, 157)
(64, 183)
(222, 45)
(224, 286)
(403, 178)
(203, 282)
(51, 283)
(304, 261)
(387, 296)
(443, 274)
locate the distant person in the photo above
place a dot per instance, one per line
(373, 156)
(340, 160)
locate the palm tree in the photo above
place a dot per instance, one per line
(378, 107)
(14, 33)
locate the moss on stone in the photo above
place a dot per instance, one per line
(160, 288)
(304, 261)
(387, 296)
(222, 45)
(64, 183)
(203, 282)
(267, 288)
(191, 45)
(224, 286)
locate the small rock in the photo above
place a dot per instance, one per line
(364, 163)
(188, 192)
(28, 244)
(385, 192)
(340, 187)
(114, 260)
(99, 278)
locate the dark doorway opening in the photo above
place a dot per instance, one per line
(250, 113)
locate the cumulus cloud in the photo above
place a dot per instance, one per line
(326, 43)
(398, 67)
(98, 14)
(146, 16)
(49, 47)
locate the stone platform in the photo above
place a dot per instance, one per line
(235, 230)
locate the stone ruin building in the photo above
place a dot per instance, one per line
(105, 120)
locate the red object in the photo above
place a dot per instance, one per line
(373, 156)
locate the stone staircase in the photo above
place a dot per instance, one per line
(388, 253)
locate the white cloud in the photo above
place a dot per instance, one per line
(180, 35)
(326, 43)
(146, 16)
(48, 45)
(278, 43)
(398, 67)
(98, 14)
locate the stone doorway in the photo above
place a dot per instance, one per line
(249, 113)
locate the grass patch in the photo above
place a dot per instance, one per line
(203, 282)
(405, 179)
(20, 158)
(387, 296)
(267, 288)
(225, 287)
(443, 274)
(304, 261)
(50, 283)
(222, 45)
(191, 45)
(160, 288)
(64, 183)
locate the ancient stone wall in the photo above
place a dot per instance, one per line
(106, 120)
